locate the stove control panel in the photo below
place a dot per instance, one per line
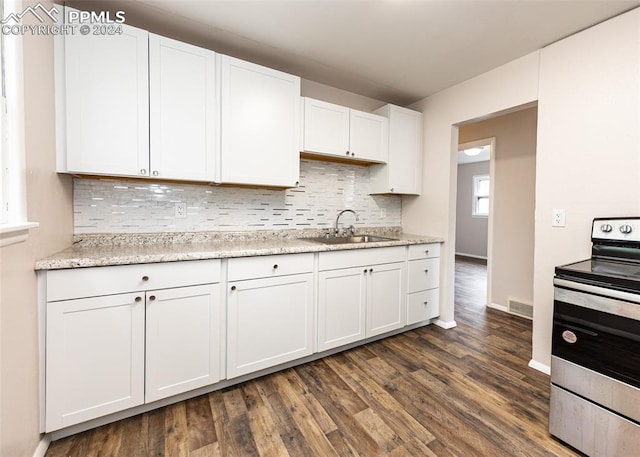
(623, 229)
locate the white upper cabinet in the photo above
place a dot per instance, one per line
(182, 100)
(326, 127)
(260, 125)
(106, 80)
(369, 136)
(403, 172)
(338, 131)
(136, 104)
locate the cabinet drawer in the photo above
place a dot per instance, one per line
(424, 251)
(423, 305)
(96, 281)
(269, 266)
(423, 274)
(361, 257)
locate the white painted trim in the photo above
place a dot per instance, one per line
(498, 307)
(473, 256)
(445, 324)
(546, 369)
(43, 445)
(15, 233)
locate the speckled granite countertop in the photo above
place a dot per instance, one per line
(123, 249)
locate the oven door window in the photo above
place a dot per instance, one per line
(602, 342)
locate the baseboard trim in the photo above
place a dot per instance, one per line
(43, 445)
(546, 369)
(445, 324)
(473, 256)
(498, 307)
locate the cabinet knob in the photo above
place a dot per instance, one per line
(233, 287)
(426, 251)
(347, 152)
(145, 278)
(353, 154)
(426, 271)
(297, 183)
(152, 297)
(365, 270)
(426, 303)
(275, 267)
(143, 171)
(138, 299)
(370, 270)
(155, 173)
(392, 189)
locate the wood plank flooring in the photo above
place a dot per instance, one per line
(429, 392)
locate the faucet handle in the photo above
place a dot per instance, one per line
(352, 230)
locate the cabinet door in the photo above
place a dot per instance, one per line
(95, 358)
(341, 307)
(386, 309)
(405, 151)
(260, 125)
(326, 128)
(369, 136)
(183, 340)
(182, 88)
(270, 321)
(107, 103)
(423, 274)
(422, 306)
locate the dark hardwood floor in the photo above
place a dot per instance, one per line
(429, 392)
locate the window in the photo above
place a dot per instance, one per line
(481, 186)
(13, 214)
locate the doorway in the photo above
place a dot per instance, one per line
(473, 203)
(509, 221)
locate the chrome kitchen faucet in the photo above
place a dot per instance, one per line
(351, 228)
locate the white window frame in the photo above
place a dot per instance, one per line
(477, 196)
(14, 224)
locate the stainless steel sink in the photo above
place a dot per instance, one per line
(357, 239)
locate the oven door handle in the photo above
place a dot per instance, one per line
(577, 329)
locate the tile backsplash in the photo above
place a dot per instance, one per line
(135, 206)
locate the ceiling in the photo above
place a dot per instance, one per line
(395, 51)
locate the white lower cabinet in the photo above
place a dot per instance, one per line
(385, 298)
(269, 319)
(183, 340)
(120, 336)
(95, 358)
(109, 352)
(341, 307)
(365, 299)
(423, 301)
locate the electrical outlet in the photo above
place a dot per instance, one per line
(557, 218)
(383, 212)
(181, 210)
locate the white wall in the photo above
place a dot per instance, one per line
(49, 203)
(510, 85)
(588, 158)
(471, 231)
(513, 202)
